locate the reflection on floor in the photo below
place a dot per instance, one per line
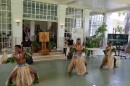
(54, 73)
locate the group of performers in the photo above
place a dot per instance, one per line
(78, 61)
(24, 75)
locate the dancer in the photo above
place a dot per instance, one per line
(23, 74)
(108, 60)
(78, 61)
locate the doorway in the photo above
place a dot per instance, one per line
(41, 26)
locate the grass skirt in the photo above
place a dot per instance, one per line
(78, 64)
(108, 62)
(21, 76)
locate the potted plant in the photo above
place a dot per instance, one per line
(95, 40)
(36, 45)
(51, 44)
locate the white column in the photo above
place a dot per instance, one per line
(61, 26)
(108, 23)
(32, 30)
(86, 15)
(17, 17)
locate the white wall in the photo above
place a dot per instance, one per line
(86, 14)
(61, 26)
(17, 16)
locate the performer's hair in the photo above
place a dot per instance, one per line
(78, 39)
(18, 46)
(110, 42)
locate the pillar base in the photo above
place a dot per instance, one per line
(44, 52)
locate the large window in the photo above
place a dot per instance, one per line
(5, 23)
(96, 20)
(39, 10)
(73, 19)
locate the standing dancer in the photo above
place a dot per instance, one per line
(78, 61)
(23, 74)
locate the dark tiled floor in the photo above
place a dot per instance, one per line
(54, 73)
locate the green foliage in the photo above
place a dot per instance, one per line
(10, 60)
(27, 56)
(72, 49)
(52, 43)
(118, 28)
(113, 50)
(99, 34)
(29, 50)
(36, 43)
(101, 29)
(122, 13)
(85, 50)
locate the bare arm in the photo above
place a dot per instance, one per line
(79, 48)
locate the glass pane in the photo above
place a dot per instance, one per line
(3, 20)
(52, 7)
(37, 16)
(37, 11)
(29, 4)
(37, 5)
(52, 18)
(45, 12)
(29, 10)
(3, 26)
(49, 7)
(40, 16)
(33, 11)
(55, 18)
(3, 7)
(41, 12)
(8, 26)
(49, 13)
(8, 7)
(24, 15)
(33, 4)
(44, 17)
(0, 7)
(45, 6)
(25, 10)
(48, 17)
(8, 2)
(41, 6)
(3, 1)
(0, 19)
(8, 32)
(33, 16)
(8, 20)
(29, 15)
(24, 4)
(55, 7)
(55, 13)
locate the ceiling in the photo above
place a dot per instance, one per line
(96, 5)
